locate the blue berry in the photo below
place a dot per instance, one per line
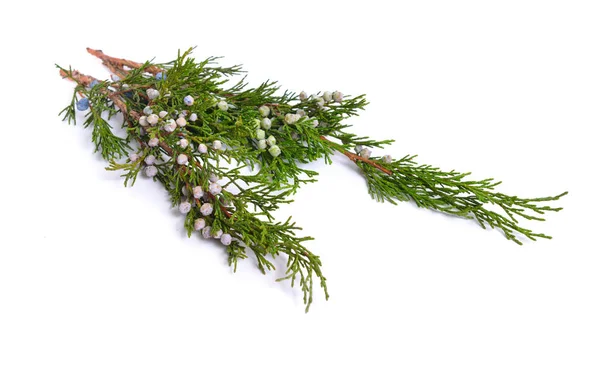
(161, 75)
(188, 100)
(83, 104)
(94, 83)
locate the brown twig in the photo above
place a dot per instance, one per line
(115, 69)
(85, 80)
(77, 77)
(355, 157)
(122, 62)
(117, 65)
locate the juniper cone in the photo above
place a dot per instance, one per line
(230, 156)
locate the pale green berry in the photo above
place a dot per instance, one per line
(266, 123)
(260, 134)
(223, 106)
(264, 111)
(274, 151)
(338, 96)
(271, 140)
(291, 118)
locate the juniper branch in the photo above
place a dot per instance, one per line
(258, 174)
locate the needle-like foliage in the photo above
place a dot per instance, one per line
(229, 156)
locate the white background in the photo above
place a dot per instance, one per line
(95, 274)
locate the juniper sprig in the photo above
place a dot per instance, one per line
(229, 156)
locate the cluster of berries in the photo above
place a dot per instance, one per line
(206, 209)
(289, 119)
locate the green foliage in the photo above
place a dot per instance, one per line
(255, 183)
(451, 193)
